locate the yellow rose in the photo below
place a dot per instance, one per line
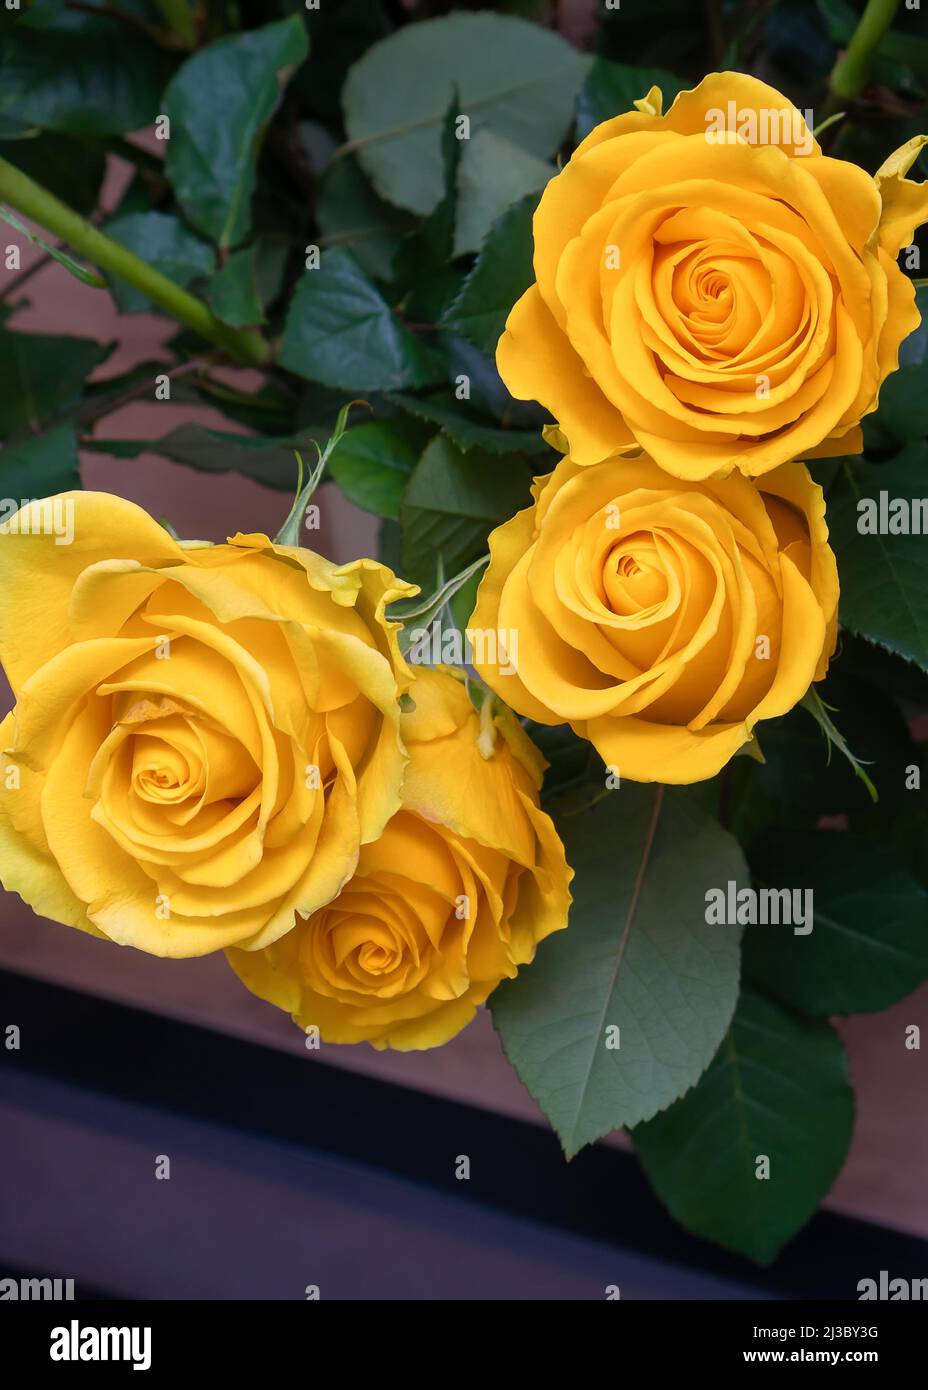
(203, 736)
(661, 619)
(712, 288)
(465, 881)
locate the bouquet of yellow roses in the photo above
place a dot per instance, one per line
(651, 589)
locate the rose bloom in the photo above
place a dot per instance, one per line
(712, 288)
(661, 619)
(453, 898)
(203, 736)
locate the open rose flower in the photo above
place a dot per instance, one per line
(712, 288)
(661, 619)
(203, 736)
(466, 880)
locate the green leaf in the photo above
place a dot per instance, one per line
(41, 377)
(802, 779)
(914, 349)
(233, 290)
(320, 405)
(219, 103)
(573, 762)
(161, 239)
(494, 174)
(421, 265)
(80, 272)
(515, 78)
(502, 273)
(389, 540)
(373, 463)
(342, 332)
(452, 502)
(266, 458)
(868, 947)
(40, 466)
(464, 601)
(268, 411)
(893, 675)
(637, 955)
(612, 88)
(903, 412)
(488, 395)
(778, 1087)
(350, 213)
(86, 74)
(469, 431)
(884, 578)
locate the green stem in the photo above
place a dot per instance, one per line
(852, 69)
(36, 203)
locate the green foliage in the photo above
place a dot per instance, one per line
(501, 273)
(868, 947)
(43, 376)
(342, 332)
(351, 214)
(469, 430)
(233, 292)
(373, 463)
(494, 174)
(450, 504)
(161, 239)
(219, 104)
(40, 466)
(86, 74)
(611, 88)
(269, 459)
(777, 1089)
(513, 78)
(884, 574)
(622, 1013)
